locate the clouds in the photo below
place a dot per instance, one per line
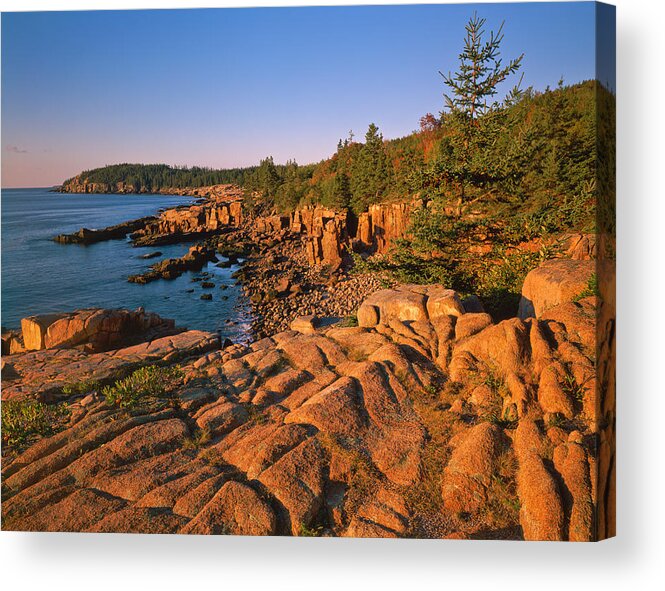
(15, 150)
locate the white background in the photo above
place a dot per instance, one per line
(634, 560)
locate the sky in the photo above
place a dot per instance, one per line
(227, 87)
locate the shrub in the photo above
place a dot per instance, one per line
(145, 383)
(23, 420)
(80, 388)
(572, 388)
(498, 281)
(350, 321)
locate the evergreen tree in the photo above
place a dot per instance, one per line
(370, 173)
(342, 191)
(268, 177)
(473, 123)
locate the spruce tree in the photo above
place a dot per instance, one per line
(342, 190)
(370, 174)
(472, 121)
(268, 177)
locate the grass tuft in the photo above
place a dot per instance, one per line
(197, 440)
(591, 289)
(315, 531)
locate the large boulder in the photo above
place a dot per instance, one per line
(409, 303)
(34, 330)
(554, 282)
(99, 329)
(12, 342)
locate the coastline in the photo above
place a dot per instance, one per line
(289, 266)
(358, 409)
(41, 276)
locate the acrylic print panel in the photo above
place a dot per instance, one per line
(326, 323)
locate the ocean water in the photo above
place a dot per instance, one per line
(39, 276)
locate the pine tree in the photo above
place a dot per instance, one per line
(370, 174)
(342, 190)
(268, 177)
(472, 121)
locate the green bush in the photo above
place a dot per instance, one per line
(146, 383)
(23, 420)
(498, 282)
(80, 388)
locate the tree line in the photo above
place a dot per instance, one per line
(153, 177)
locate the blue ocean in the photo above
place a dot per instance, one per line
(40, 276)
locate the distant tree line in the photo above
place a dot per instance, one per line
(152, 177)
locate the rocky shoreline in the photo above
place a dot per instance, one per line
(426, 420)
(281, 286)
(359, 409)
(290, 265)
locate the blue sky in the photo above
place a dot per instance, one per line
(227, 87)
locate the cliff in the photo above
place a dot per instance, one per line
(328, 234)
(82, 184)
(215, 214)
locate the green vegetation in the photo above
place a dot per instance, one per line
(572, 389)
(591, 289)
(349, 321)
(496, 383)
(144, 384)
(153, 177)
(370, 172)
(556, 420)
(80, 388)
(494, 412)
(315, 531)
(255, 414)
(466, 156)
(23, 420)
(502, 182)
(540, 165)
(503, 504)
